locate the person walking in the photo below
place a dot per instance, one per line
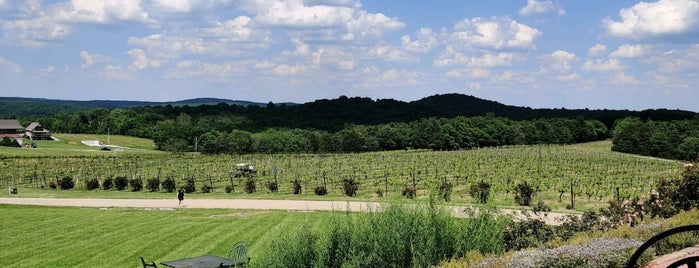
(180, 195)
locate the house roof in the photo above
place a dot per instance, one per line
(10, 124)
(11, 136)
(32, 126)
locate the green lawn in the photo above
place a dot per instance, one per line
(70, 145)
(35, 236)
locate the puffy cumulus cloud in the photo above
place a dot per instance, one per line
(664, 18)
(597, 50)
(452, 57)
(390, 53)
(326, 20)
(559, 61)
(373, 78)
(334, 57)
(91, 59)
(631, 51)
(140, 61)
(425, 41)
(603, 65)
(539, 7)
(101, 11)
(676, 61)
(620, 78)
(38, 25)
(230, 38)
(494, 33)
(188, 6)
(468, 73)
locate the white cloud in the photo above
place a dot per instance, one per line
(468, 73)
(8, 66)
(42, 25)
(188, 6)
(451, 57)
(390, 53)
(560, 61)
(658, 19)
(495, 33)
(538, 7)
(568, 77)
(325, 20)
(675, 61)
(425, 42)
(603, 65)
(621, 78)
(597, 51)
(631, 51)
(334, 57)
(140, 61)
(188, 69)
(116, 72)
(91, 59)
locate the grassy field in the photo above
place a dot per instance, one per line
(70, 145)
(89, 237)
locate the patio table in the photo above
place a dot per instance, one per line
(206, 261)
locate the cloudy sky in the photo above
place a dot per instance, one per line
(537, 53)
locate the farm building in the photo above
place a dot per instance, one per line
(36, 132)
(10, 128)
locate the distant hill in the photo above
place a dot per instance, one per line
(331, 115)
(23, 107)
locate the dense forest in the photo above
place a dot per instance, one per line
(677, 139)
(440, 122)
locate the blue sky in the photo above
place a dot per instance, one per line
(593, 54)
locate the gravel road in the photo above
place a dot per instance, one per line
(256, 204)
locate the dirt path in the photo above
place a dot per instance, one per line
(256, 204)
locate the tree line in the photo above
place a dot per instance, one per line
(677, 139)
(440, 122)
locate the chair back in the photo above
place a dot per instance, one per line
(146, 265)
(239, 252)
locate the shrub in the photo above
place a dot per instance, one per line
(92, 184)
(66, 183)
(107, 183)
(350, 186)
(169, 184)
(541, 207)
(379, 192)
(136, 184)
(296, 185)
(190, 186)
(399, 235)
(153, 184)
(445, 190)
(528, 233)
(272, 186)
(320, 190)
(249, 185)
(207, 189)
(408, 192)
(120, 183)
(523, 194)
(229, 189)
(53, 185)
(602, 252)
(480, 191)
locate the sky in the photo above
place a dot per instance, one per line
(595, 54)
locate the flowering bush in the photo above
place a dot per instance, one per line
(602, 252)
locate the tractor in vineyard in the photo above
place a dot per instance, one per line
(244, 170)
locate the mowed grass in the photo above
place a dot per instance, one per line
(70, 145)
(35, 236)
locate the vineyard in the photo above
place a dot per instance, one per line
(590, 171)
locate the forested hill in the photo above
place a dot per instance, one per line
(324, 114)
(16, 107)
